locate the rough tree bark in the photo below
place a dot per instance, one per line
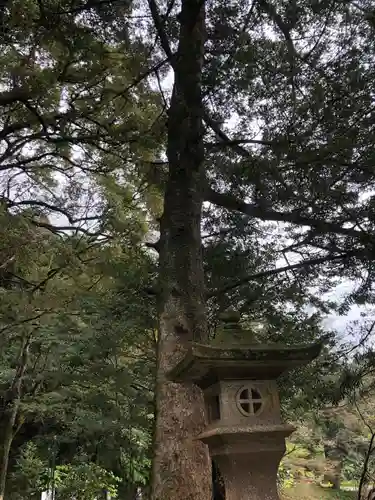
(9, 419)
(181, 465)
(7, 439)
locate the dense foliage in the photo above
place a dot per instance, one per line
(77, 351)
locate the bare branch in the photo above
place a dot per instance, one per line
(27, 320)
(15, 95)
(285, 30)
(278, 270)
(47, 120)
(6, 263)
(159, 25)
(362, 341)
(238, 142)
(64, 229)
(214, 125)
(230, 202)
(53, 208)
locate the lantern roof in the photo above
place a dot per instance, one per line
(205, 365)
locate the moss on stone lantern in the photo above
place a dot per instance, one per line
(245, 433)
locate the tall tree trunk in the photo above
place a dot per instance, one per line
(6, 443)
(12, 405)
(181, 465)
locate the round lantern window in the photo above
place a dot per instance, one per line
(249, 401)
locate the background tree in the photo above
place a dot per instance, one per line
(77, 348)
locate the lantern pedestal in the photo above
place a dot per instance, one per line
(248, 459)
(250, 475)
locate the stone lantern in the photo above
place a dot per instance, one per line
(245, 433)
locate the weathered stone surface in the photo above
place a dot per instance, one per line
(245, 434)
(250, 476)
(205, 365)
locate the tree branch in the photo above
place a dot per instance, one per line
(278, 270)
(230, 202)
(223, 136)
(15, 95)
(238, 142)
(48, 120)
(159, 25)
(27, 320)
(285, 30)
(64, 229)
(51, 208)
(239, 149)
(362, 341)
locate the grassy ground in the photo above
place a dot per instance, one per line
(314, 492)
